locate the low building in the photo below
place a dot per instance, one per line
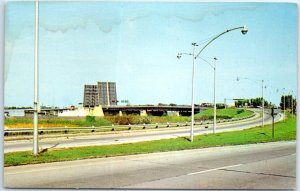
(82, 112)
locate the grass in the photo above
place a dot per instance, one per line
(25, 122)
(17, 122)
(283, 131)
(227, 113)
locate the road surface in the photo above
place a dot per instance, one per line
(129, 137)
(256, 166)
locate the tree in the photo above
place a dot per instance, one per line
(255, 102)
(289, 102)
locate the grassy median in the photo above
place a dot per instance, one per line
(227, 113)
(283, 131)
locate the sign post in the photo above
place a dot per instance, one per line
(273, 114)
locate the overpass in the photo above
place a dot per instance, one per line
(156, 110)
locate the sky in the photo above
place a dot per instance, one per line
(135, 45)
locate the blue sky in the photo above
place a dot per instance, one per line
(135, 45)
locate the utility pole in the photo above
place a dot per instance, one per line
(283, 105)
(263, 103)
(215, 105)
(292, 107)
(214, 67)
(193, 105)
(36, 79)
(244, 30)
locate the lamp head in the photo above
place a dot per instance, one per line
(237, 79)
(178, 56)
(244, 30)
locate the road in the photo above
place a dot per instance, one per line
(129, 137)
(256, 166)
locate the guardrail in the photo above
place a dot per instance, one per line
(68, 130)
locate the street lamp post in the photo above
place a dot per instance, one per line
(193, 105)
(292, 107)
(193, 75)
(283, 89)
(262, 92)
(36, 76)
(215, 105)
(244, 30)
(263, 102)
(290, 101)
(214, 67)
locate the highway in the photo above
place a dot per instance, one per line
(130, 137)
(255, 166)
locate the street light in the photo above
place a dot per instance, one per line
(193, 74)
(36, 78)
(214, 67)
(262, 90)
(244, 30)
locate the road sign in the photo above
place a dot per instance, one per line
(274, 112)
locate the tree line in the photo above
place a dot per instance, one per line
(289, 103)
(253, 102)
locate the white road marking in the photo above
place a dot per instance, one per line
(213, 169)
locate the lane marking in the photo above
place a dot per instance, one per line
(260, 173)
(213, 169)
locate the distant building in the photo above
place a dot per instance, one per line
(90, 98)
(104, 93)
(14, 112)
(107, 93)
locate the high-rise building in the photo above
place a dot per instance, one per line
(91, 98)
(107, 93)
(104, 93)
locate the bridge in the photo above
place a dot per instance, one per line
(155, 110)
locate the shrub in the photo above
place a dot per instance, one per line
(90, 119)
(239, 111)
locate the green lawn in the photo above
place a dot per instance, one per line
(25, 122)
(283, 131)
(227, 113)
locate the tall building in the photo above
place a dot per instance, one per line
(104, 93)
(107, 93)
(91, 98)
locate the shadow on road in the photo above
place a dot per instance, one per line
(46, 149)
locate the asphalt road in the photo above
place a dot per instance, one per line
(129, 137)
(257, 166)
